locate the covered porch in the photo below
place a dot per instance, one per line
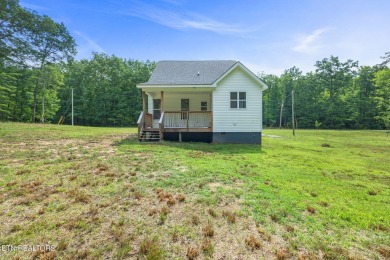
(174, 112)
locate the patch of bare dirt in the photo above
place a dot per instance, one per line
(215, 185)
(272, 136)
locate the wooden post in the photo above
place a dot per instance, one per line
(292, 111)
(143, 101)
(211, 121)
(188, 118)
(280, 117)
(144, 109)
(211, 112)
(43, 110)
(72, 106)
(162, 102)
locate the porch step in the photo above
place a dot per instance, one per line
(149, 135)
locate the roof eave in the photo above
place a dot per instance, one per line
(146, 86)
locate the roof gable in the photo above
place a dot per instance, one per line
(247, 71)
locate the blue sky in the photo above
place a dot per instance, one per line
(266, 36)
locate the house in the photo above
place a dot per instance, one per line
(213, 101)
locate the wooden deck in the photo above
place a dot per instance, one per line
(174, 122)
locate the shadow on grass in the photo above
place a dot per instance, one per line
(225, 149)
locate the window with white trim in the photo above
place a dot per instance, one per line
(237, 99)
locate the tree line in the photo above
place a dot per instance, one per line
(337, 95)
(105, 92)
(38, 73)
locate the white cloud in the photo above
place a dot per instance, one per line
(33, 6)
(180, 20)
(310, 43)
(88, 43)
(174, 2)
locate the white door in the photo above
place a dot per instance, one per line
(156, 112)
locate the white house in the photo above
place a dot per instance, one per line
(213, 101)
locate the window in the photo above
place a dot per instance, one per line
(237, 99)
(203, 106)
(242, 100)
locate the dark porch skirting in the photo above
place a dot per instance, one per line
(216, 137)
(206, 137)
(237, 137)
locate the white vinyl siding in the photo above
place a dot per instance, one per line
(227, 119)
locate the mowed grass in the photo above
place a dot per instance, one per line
(97, 193)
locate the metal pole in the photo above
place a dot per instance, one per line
(292, 111)
(280, 117)
(72, 106)
(43, 100)
(43, 109)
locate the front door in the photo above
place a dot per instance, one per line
(156, 108)
(185, 107)
(156, 112)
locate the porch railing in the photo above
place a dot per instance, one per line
(179, 119)
(161, 125)
(148, 120)
(145, 120)
(187, 119)
(140, 124)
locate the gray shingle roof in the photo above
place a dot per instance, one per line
(186, 72)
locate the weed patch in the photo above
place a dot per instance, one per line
(282, 253)
(195, 220)
(151, 248)
(192, 252)
(208, 230)
(79, 196)
(212, 213)
(311, 210)
(230, 216)
(207, 247)
(253, 243)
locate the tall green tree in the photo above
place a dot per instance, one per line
(289, 81)
(272, 100)
(28, 39)
(52, 82)
(7, 92)
(15, 25)
(364, 98)
(22, 102)
(50, 43)
(382, 81)
(336, 78)
(386, 59)
(309, 106)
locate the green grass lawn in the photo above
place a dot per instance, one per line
(98, 193)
